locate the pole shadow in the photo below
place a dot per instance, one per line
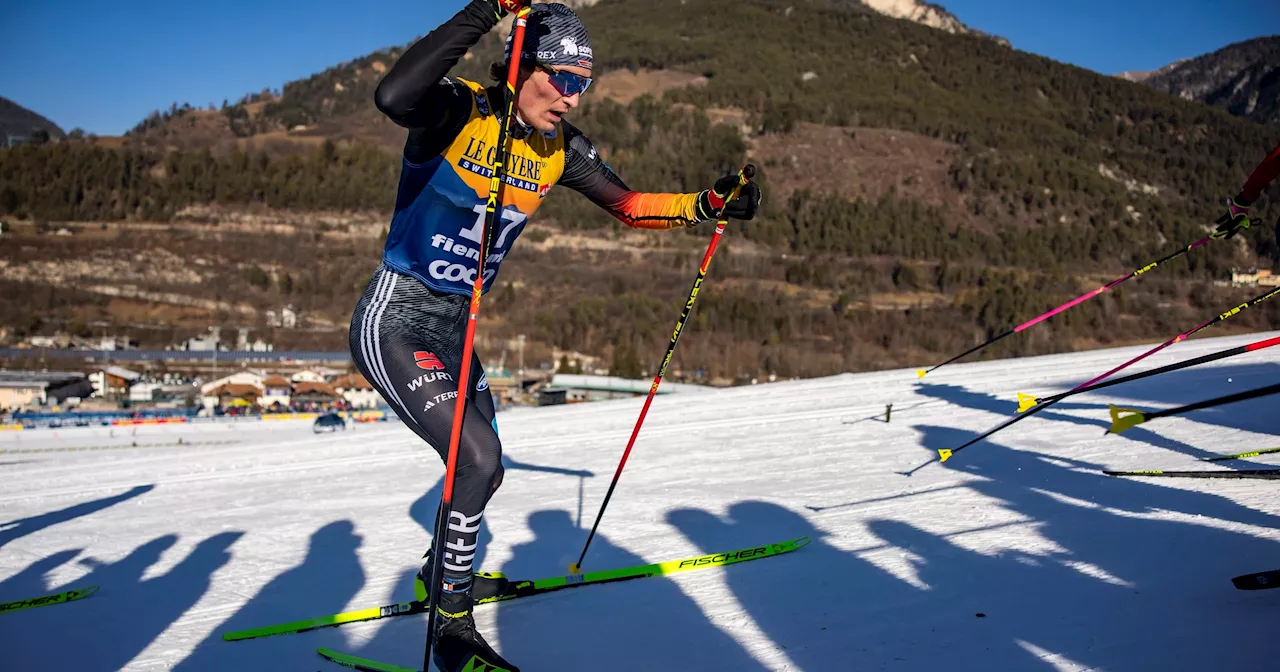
(21, 527)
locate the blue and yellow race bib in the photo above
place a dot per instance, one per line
(440, 205)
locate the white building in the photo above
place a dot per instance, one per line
(249, 378)
(207, 343)
(252, 377)
(113, 381)
(143, 391)
(113, 343)
(358, 392)
(160, 392)
(288, 318)
(1254, 277)
(308, 376)
(59, 340)
(276, 390)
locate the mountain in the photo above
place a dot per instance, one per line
(18, 121)
(335, 103)
(924, 191)
(924, 13)
(1242, 78)
(928, 14)
(1143, 75)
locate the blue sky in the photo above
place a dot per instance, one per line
(1111, 36)
(103, 66)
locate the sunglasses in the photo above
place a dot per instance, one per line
(566, 83)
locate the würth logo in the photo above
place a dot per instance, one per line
(428, 361)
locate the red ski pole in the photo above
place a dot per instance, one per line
(744, 176)
(464, 374)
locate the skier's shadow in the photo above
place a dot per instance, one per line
(978, 610)
(1023, 469)
(323, 583)
(826, 608)
(1108, 576)
(986, 402)
(21, 527)
(108, 630)
(604, 620)
(31, 582)
(583, 628)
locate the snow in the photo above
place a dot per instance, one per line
(251, 524)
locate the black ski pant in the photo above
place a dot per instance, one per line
(407, 341)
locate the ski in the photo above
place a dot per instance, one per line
(516, 589)
(1258, 581)
(358, 663)
(357, 616)
(488, 587)
(528, 588)
(1243, 473)
(1239, 456)
(46, 600)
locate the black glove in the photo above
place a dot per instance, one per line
(1235, 219)
(742, 207)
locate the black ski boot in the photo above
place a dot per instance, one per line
(485, 585)
(458, 647)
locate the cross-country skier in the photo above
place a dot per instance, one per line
(1237, 215)
(407, 330)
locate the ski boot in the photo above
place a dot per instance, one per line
(458, 647)
(484, 586)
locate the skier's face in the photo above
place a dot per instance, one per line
(541, 101)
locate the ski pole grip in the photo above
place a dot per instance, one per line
(745, 175)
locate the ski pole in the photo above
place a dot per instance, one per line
(744, 176)
(945, 454)
(464, 373)
(920, 373)
(1183, 336)
(1126, 418)
(1027, 401)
